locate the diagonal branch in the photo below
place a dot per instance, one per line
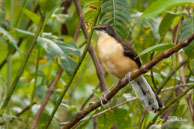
(46, 99)
(125, 81)
(97, 64)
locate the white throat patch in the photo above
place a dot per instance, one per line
(102, 35)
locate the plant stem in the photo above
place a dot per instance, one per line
(9, 64)
(9, 61)
(20, 14)
(36, 76)
(11, 13)
(13, 86)
(74, 73)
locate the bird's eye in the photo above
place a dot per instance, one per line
(106, 29)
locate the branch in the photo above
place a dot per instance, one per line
(124, 81)
(97, 64)
(152, 74)
(77, 31)
(111, 108)
(46, 99)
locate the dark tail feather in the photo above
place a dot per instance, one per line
(147, 96)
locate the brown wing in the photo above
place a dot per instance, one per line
(128, 51)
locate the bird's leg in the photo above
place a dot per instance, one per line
(128, 77)
(106, 92)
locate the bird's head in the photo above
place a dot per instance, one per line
(104, 29)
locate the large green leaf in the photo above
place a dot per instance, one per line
(145, 23)
(116, 13)
(69, 48)
(48, 5)
(31, 15)
(90, 10)
(166, 23)
(9, 38)
(56, 48)
(161, 5)
(157, 47)
(187, 29)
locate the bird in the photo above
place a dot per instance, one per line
(120, 59)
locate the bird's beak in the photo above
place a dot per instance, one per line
(96, 28)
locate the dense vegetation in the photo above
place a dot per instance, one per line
(47, 77)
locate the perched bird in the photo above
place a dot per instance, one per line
(119, 59)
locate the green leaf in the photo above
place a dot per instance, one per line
(157, 47)
(187, 29)
(9, 38)
(161, 5)
(90, 10)
(47, 5)
(97, 93)
(68, 64)
(31, 15)
(116, 13)
(69, 48)
(166, 23)
(54, 50)
(21, 33)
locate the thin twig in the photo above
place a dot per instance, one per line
(36, 77)
(77, 31)
(46, 99)
(125, 81)
(152, 74)
(88, 99)
(97, 64)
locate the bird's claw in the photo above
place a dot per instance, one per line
(101, 99)
(128, 77)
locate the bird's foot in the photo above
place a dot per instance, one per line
(106, 92)
(128, 77)
(101, 99)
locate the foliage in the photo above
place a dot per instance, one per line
(149, 26)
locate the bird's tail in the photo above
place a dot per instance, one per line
(147, 96)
